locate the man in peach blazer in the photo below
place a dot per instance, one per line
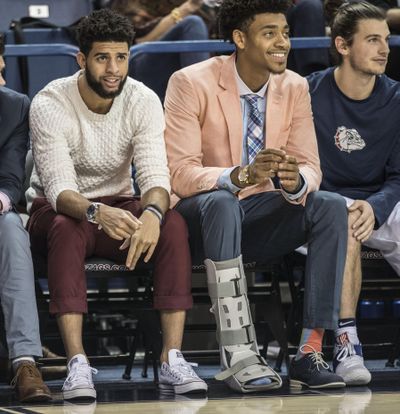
(244, 166)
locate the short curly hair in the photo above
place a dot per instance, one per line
(239, 14)
(103, 25)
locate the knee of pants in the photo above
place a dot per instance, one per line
(12, 231)
(331, 206)
(66, 230)
(174, 229)
(221, 208)
(194, 28)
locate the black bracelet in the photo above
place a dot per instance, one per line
(156, 207)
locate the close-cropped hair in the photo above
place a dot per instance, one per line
(1, 44)
(103, 25)
(344, 16)
(239, 14)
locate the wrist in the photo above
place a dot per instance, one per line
(298, 187)
(156, 211)
(176, 14)
(93, 213)
(242, 176)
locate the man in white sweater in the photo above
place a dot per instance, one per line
(87, 130)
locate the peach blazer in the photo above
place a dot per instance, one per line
(204, 126)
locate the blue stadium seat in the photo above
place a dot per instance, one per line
(57, 12)
(42, 69)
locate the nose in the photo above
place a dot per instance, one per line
(282, 41)
(112, 66)
(385, 50)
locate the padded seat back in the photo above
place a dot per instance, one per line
(58, 12)
(41, 69)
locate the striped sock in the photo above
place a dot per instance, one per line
(311, 340)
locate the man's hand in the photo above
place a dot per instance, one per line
(265, 165)
(144, 240)
(288, 173)
(117, 223)
(363, 226)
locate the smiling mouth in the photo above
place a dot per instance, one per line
(278, 54)
(279, 57)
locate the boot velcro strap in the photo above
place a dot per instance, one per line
(234, 287)
(244, 335)
(242, 364)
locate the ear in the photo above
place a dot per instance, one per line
(341, 46)
(81, 59)
(239, 38)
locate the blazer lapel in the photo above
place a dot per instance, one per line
(230, 104)
(274, 114)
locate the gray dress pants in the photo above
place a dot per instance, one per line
(266, 226)
(17, 290)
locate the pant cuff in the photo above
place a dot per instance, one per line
(321, 324)
(68, 305)
(173, 302)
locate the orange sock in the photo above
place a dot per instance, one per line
(311, 340)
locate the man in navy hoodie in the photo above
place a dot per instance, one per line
(356, 110)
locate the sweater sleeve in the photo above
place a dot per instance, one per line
(149, 154)
(384, 200)
(50, 123)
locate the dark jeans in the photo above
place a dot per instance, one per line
(155, 69)
(66, 242)
(266, 226)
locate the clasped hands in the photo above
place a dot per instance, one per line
(139, 234)
(270, 163)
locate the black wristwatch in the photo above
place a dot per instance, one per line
(91, 212)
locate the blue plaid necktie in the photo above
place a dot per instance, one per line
(255, 135)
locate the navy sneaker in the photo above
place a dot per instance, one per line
(313, 372)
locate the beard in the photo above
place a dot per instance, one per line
(97, 87)
(365, 70)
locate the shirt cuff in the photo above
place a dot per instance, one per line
(5, 201)
(300, 193)
(224, 181)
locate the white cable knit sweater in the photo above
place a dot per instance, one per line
(77, 149)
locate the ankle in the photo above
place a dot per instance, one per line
(311, 341)
(19, 360)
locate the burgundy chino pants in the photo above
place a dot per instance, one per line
(66, 242)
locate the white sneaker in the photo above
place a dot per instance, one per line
(79, 382)
(178, 375)
(348, 362)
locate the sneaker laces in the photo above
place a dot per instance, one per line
(316, 356)
(346, 350)
(185, 368)
(79, 371)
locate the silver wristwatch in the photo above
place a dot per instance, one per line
(91, 212)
